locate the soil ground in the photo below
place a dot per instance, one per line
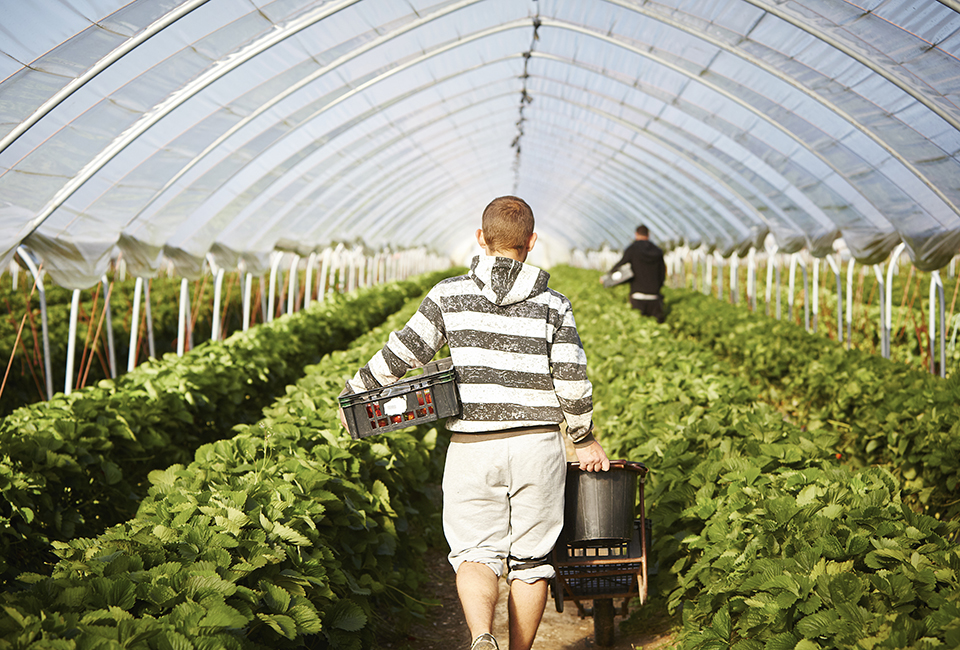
(445, 629)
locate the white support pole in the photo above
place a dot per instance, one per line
(326, 271)
(261, 282)
(850, 267)
(777, 270)
(182, 321)
(308, 280)
(111, 346)
(272, 298)
(936, 291)
(15, 275)
(292, 284)
(707, 274)
(734, 277)
(768, 293)
(815, 306)
(71, 341)
(835, 267)
(217, 291)
(247, 297)
(341, 268)
(151, 347)
(44, 328)
(752, 279)
(135, 325)
(888, 294)
(884, 338)
(791, 285)
(719, 275)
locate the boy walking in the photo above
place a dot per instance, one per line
(521, 371)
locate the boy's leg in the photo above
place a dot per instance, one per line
(477, 586)
(526, 605)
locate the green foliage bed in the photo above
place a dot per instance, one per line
(76, 464)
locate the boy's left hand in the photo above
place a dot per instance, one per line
(593, 458)
(343, 419)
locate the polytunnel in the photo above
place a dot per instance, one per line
(225, 132)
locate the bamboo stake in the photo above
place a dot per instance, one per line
(96, 338)
(86, 342)
(906, 293)
(17, 341)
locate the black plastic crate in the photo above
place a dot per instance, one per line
(407, 403)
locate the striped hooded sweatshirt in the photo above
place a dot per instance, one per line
(514, 345)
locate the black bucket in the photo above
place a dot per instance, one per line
(600, 506)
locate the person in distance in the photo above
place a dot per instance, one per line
(649, 274)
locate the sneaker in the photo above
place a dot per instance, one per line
(485, 641)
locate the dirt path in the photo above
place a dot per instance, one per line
(446, 630)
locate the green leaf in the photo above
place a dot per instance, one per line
(276, 598)
(282, 625)
(346, 615)
(222, 615)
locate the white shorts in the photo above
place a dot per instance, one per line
(503, 502)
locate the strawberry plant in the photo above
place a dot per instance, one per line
(289, 532)
(77, 464)
(763, 539)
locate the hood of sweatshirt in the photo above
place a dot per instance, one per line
(504, 281)
(647, 251)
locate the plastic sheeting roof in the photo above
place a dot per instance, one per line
(239, 127)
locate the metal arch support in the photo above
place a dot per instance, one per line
(90, 73)
(151, 347)
(768, 294)
(111, 346)
(247, 297)
(863, 60)
(217, 292)
(887, 296)
(936, 291)
(325, 271)
(815, 300)
(292, 283)
(791, 284)
(37, 274)
(850, 266)
(272, 291)
(71, 342)
(720, 263)
(835, 267)
(184, 316)
(263, 108)
(308, 280)
(135, 325)
(734, 277)
(884, 335)
(831, 106)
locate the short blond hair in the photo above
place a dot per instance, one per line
(507, 224)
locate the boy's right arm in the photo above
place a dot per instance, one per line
(412, 347)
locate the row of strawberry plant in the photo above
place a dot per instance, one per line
(764, 539)
(25, 381)
(886, 412)
(77, 464)
(290, 534)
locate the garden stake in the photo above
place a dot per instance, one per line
(96, 339)
(86, 342)
(226, 303)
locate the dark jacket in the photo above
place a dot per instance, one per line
(649, 269)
